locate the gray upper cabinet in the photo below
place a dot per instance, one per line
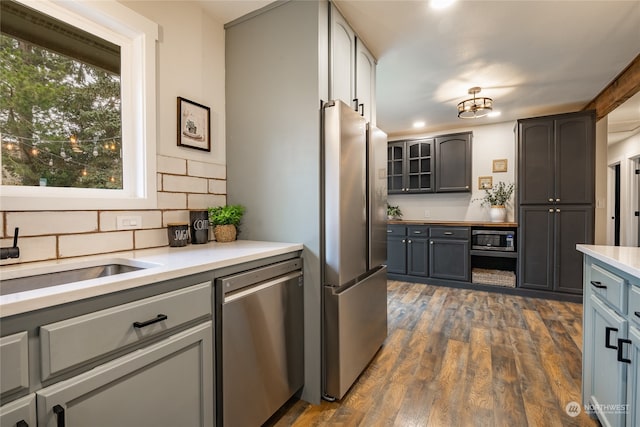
(556, 159)
(441, 164)
(352, 67)
(453, 163)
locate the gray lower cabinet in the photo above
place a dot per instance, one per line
(417, 250)
(169, 383)
(397, 254)
(449, 253)
(611, 344)
(407, 250)
(548, 238)
(19, 411)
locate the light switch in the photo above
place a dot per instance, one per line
(128, 222)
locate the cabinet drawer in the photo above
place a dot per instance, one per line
(608, 285)
(14, 362)
(70, 342)
(634, 304)
(418, 231)
(396, 230)
(451, 232)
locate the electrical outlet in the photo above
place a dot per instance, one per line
(427, 213)
(128, 222)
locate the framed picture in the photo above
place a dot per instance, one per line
(500, 165)
(194, 122)
(485, 182)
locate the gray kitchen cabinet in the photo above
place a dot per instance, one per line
(14, 363)
(555, 174)
(453, 163)
(352, 67)
(19, 411)
(441, 164)
(407, 250)
(611, 344)
(449, 253)
(168, 383)
(397, 254)
(548, 238)
(410, 166)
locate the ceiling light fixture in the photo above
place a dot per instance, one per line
(475, 107)
(419, 124)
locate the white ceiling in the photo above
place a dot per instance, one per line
(532, 57)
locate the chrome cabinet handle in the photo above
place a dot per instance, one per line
(551, 200)
(448, 233)
(550, 210)
(557, 210)
(557, 200)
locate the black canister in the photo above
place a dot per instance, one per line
(199, 221)
(178, 234)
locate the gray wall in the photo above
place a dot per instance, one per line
(275, 67)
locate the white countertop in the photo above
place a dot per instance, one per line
(162, 264)
(624, 258)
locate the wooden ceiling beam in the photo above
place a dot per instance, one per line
(624, 86)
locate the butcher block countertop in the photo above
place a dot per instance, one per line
(454, 223)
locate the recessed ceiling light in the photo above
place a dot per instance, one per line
(441, 4)
(419, 124)
(494, 114)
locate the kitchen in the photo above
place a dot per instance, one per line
(50, 234)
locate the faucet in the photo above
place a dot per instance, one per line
(13, 251)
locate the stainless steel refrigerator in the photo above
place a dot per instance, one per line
(354, 277)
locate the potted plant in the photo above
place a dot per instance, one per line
(225, 221)
(497, 197)
(393, 212)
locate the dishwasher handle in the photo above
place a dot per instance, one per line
(257, 287)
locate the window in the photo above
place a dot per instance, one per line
(77, 111)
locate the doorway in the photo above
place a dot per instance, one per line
(616, 205)
(636, 209)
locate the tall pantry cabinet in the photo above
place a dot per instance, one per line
(281, 62)
(556, 179)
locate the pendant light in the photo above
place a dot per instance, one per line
(475, 107)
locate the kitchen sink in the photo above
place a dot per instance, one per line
(70, 274)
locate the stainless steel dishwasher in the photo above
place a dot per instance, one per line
(261, 355)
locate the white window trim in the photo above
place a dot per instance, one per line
(137, 36)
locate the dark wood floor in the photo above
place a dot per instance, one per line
(457, 357)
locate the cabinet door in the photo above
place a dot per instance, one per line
(365, 82)
(169, 383)
(397, 254)
(342, 59)
(633, 378)
(572, 225)
(419, 166)
(449, 259)
(535, 161)
(604, 384)
(23, 409)
(417, 259)
(574, 159)
(395, 168)
(453, 163)
(535, 247)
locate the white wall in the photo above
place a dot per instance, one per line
(624, 153)
(490, 142)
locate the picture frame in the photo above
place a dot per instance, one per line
(485, 182)
(194, 125)
(500, 165)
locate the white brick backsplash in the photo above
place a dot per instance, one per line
(217, 186)
(184, 184)
(52, 222)
(151, 238)
(203, 201)
(32, 249)
(206, 170)
(94, 243)
(174, 216)
(172, 200)
(2, 225)
(172, 165)
(150, 219)
(159, 182)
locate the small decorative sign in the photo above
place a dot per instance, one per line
(194, 125)
(500, 165)
(485, 182)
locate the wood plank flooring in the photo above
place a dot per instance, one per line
(457, 357)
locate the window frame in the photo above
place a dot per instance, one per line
(136, 36)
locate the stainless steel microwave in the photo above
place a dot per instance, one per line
(493, 240)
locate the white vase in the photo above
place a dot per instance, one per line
(498, 214)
